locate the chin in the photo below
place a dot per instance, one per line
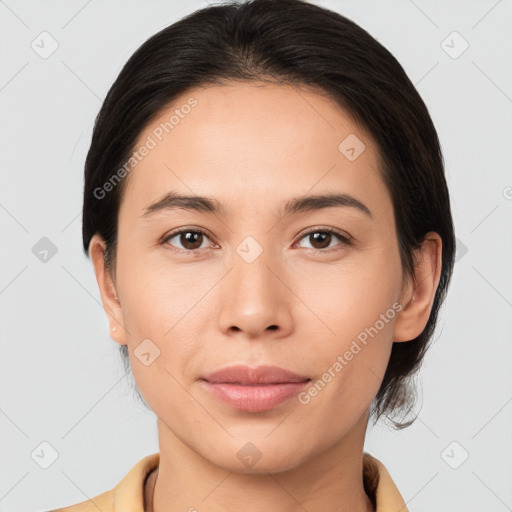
(253, 457)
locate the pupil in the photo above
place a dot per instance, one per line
(191, 238)
(322, 236)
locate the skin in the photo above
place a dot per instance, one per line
(253, 147)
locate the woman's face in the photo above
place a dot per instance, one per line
(252, 290)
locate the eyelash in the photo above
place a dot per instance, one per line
(345, 240)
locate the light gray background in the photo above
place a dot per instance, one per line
(61, 379)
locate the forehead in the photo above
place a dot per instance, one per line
(253, 144)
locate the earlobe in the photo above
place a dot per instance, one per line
(418, 296)
(107, 288)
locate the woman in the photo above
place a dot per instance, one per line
(267, 215)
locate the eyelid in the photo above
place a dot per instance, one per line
(329, 229)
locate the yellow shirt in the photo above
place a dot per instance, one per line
(128, 494)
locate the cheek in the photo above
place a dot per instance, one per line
(162, 314)
(345, 298)
(154, 297)
(162, 362)
(356, 313)
(350, 370)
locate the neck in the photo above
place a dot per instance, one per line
(328, 480)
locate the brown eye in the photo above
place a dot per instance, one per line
(190, 239)
(321, 239)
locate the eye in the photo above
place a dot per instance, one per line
(321, 238)
(190, 239)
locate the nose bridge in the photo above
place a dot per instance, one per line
(253, 298)
(252, 277)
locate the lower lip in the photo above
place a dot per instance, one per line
(257, 398)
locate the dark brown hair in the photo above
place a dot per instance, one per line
(296, 43)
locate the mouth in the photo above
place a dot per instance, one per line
(245, 375)
(254, 389)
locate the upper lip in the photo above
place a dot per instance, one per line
(241, 374)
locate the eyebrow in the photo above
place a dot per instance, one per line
(205, 204)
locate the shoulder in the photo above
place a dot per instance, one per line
(103, 502)
(381, 486)
(128, 494)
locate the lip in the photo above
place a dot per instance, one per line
(241, 374)
(254, 389)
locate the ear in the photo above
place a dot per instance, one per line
(108, 293)
(418, 294)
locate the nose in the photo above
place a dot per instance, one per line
(255, 302)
